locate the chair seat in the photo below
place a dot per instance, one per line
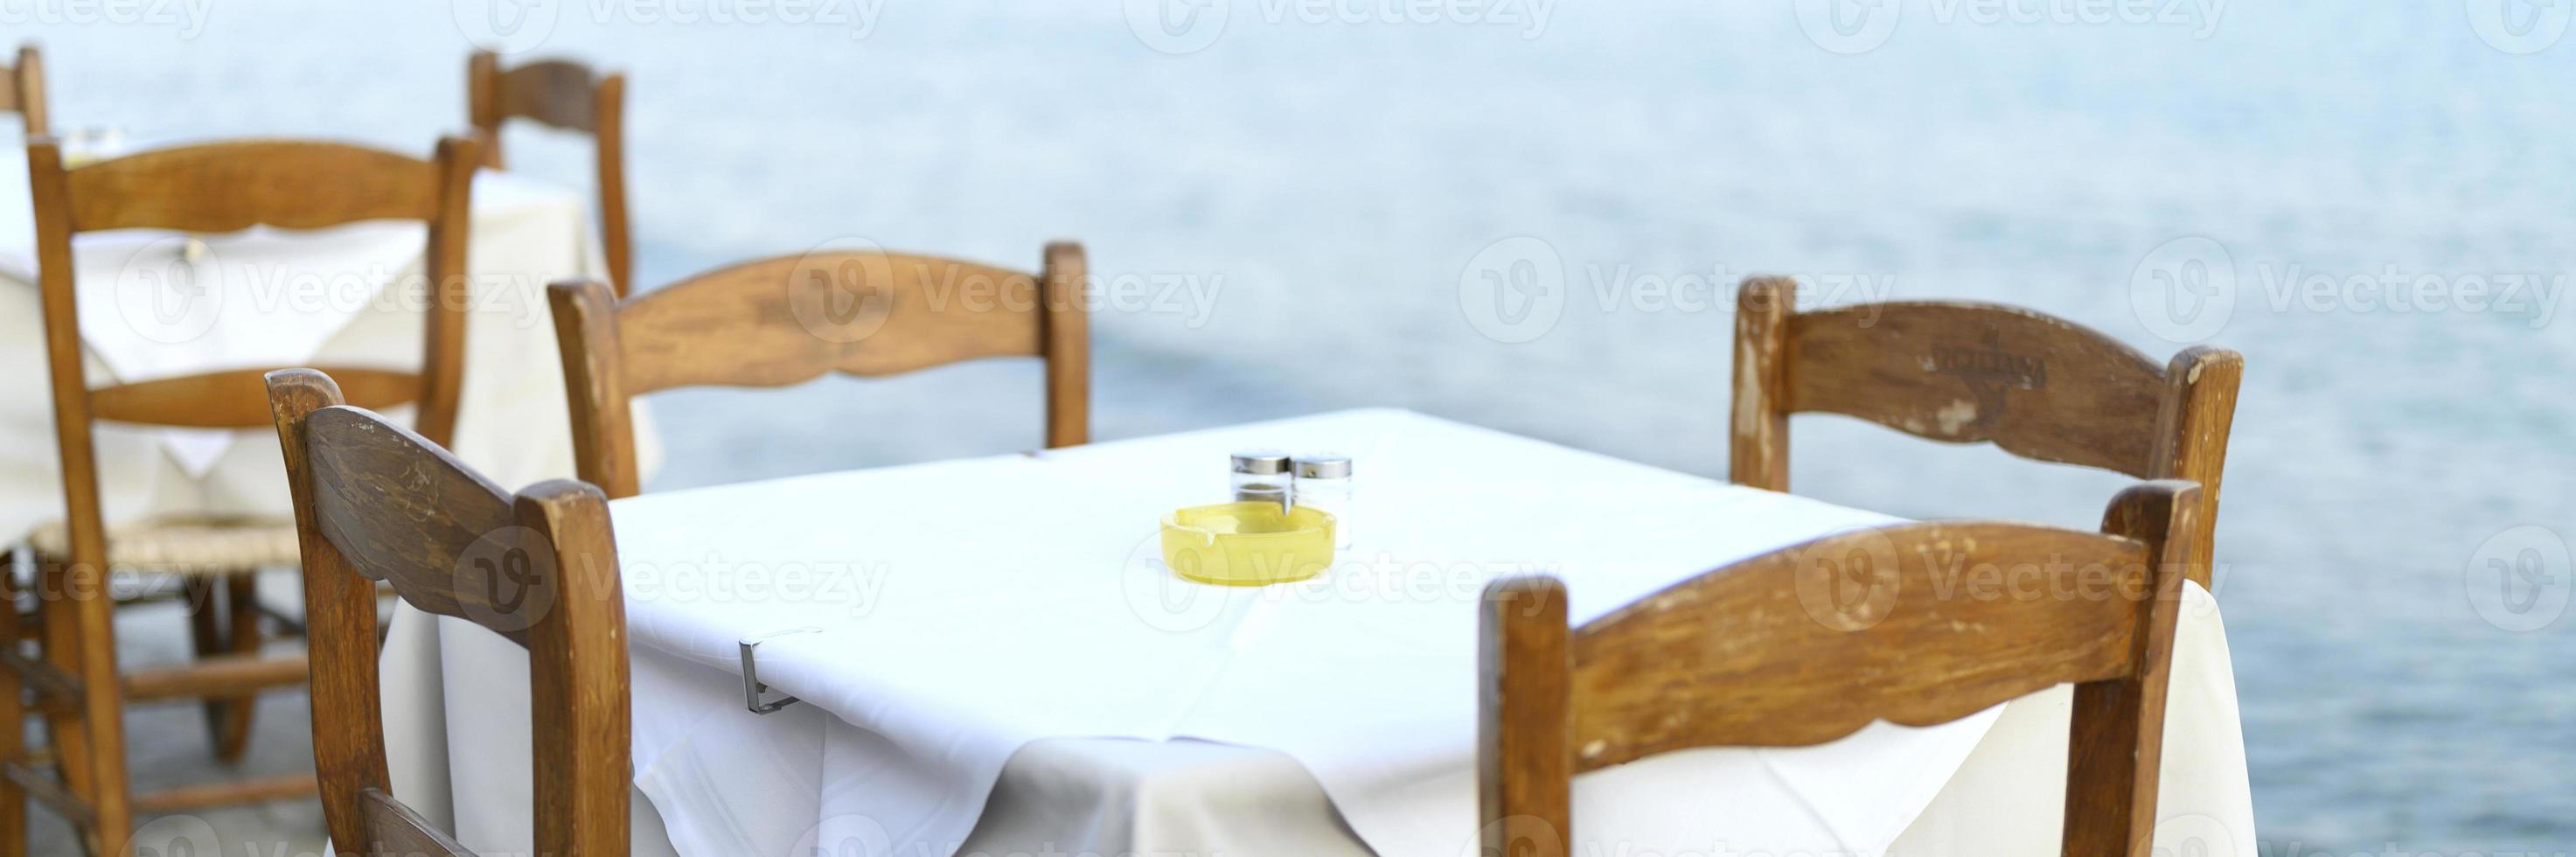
(187, 546)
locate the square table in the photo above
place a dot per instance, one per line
(1005, 666)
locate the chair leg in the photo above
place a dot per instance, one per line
(232, 719)
(14, 834)
(206, 638)
(80, 638)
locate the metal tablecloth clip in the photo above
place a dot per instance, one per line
(752, 689)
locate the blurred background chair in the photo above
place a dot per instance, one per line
(2035, 386)
(374, 502)
(76, 681)
(1729, 659)
(789, 319)
(24, 93)
(568, 96)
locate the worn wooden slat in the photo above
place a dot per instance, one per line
(553, 92)
(230, 186)
(790, 319)
(1763, 654)
(1914, 624)
(441, 534)
(2036, 386)
(235, 398)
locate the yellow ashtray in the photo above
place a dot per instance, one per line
(1247, 544)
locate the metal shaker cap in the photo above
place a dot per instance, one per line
(1261, 462)
(1323, 465)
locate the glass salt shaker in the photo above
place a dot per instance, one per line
(1324, 483)
(1260, 475)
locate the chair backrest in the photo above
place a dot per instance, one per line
(2036, 386)
(225, 187)
(788, 319)
(375, 502)
(24, 93)
(1773, 652)
(568, 96)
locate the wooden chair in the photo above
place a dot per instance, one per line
(1767, 652)
(2038, 387)
(374, 502)
(571, 97)
(221, 187)
(25, 92)
(785, 320)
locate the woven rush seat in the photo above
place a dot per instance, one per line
(189, 546)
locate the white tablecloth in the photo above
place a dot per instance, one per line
(1005, 667)
(278, 298)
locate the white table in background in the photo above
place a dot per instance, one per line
(511, 417)
(1006, 668)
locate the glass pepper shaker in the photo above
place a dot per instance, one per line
(1324, 483)
(1260, 475)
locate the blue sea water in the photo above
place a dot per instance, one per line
(1306, 213)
